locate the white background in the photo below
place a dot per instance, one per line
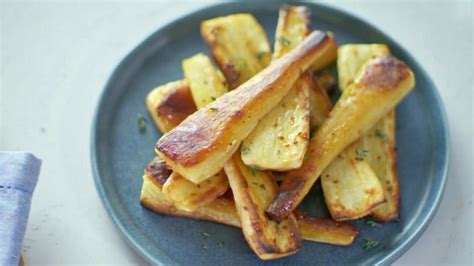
(56, 58)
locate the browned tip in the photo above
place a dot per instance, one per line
(158, 171)
(383, 73)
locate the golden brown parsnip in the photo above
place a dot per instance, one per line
(351, 57)
(351, 188)
(239, 46)
(206, 82)
(253, 191)
(380, 85)
(170, 104)
(222, 210)
(380, 139)
(201, 144)
(280, 139)
(325, 230)
(189, 196)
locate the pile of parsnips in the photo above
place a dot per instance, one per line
(264, 112)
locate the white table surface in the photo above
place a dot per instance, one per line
(56, 58)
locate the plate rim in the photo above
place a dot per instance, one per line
(163, 258)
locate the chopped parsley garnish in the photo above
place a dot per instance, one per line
(260, 54)
(284, 41)
(141, 123)
(254, 170)
(368, 244)
(204, 247)
(213, 98)
(213, 109)
(221, 244)
(361, 153)
(205, 234)
(369, 221)
(379, 133)
(245, 149)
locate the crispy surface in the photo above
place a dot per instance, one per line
(206, 82)
(329, 57)
(293, 26)
(351, 188)
(325, 230)
(379, 140)
(239, 46)
(351, 57)
(382, 83)
(189, 196)
(223, 211)
(200, 145)
(320, 105)
(253, 191)
(280, 140)
(170, 104)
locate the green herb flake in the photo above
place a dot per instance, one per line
(260, 54)
(284, 41)
(369, 221)
(213, 98)
(204, 247)
(254, 170)
(368, 244)
(221, 244)
(141, 123)
(245, 149)
(380, 134)
(361, 153)
(213, 109)
(205, 234)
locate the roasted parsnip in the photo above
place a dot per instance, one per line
(206, 82)
(170, 104)
(222, 210)
(351, 188)
(280, 139)
(380, 85)
(199, 147)
(238, 44)
(253, 191)
(348, 177)
(380, 140)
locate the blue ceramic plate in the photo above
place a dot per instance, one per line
(119, 152)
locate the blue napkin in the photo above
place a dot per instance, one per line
(18, 176)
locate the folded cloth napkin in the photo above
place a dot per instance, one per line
(18, 176)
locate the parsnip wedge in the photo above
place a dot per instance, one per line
(351, 188)
(325, 230)
(380, 85)
(380, 139)
(206, 82)
(253, 191)
(351, 57)
(348, 177)
(222, 210)
(199, 147)
(239, 46)
(280, 139)
(170, 104)
(320, 106)
(189, 196)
